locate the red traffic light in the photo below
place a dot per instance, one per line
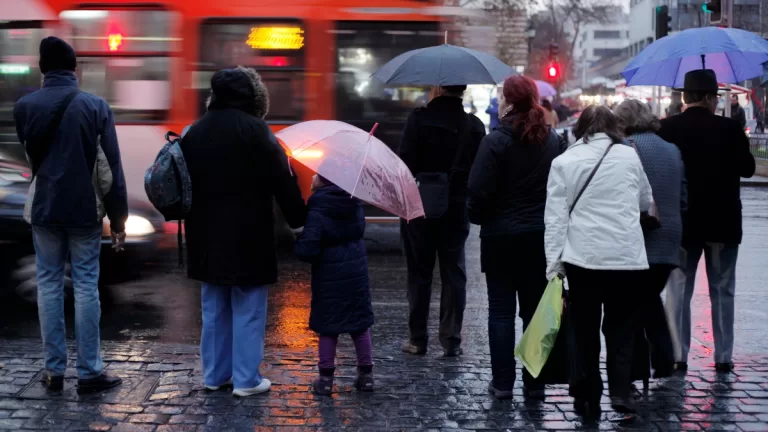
(115, 41)
(553, 71)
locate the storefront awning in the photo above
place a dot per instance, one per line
(25, 10)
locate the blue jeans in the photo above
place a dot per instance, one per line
(232, 341)
(83, 246)
(720, 260)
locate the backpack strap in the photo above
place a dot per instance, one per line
(50, 132)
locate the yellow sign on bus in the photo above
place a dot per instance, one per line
(276, 38)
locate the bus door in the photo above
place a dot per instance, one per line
(362, 48)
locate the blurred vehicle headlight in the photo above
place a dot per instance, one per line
(138, 226)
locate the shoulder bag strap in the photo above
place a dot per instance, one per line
(50, 132)
(589, 179)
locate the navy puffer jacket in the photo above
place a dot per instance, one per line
(332, 242)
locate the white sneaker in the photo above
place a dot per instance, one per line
(261, 388)
(228, 383)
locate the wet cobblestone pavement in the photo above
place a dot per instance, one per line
(151, 328)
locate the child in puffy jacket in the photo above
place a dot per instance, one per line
(332, 241)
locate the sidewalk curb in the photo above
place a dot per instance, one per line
(753, 183)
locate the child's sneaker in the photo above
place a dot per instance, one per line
(364, 381)
(323, 385)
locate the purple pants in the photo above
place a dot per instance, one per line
(363, 349)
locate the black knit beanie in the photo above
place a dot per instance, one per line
(55, 54)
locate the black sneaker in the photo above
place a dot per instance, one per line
(622, 405)
(453, 352)
(590, 411)
(98, 384)
(724, 367)
(54, 383)
(534, 392)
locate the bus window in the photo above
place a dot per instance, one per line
(363, 47)
(19, 76)
(274, 49)
(124, 56)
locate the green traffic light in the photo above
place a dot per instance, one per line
(705, 8)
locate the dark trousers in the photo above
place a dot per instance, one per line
(520, 272)
(653, 321)
(424, 241)
(615, 293)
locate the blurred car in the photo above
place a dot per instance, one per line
(144, 234)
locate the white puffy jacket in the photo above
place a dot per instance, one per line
(603, 232)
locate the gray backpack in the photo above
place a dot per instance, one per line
(168, 184)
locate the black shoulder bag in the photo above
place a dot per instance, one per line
(42, 146)
(435, 187)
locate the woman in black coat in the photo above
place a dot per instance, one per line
(237, 170)
(507, 196)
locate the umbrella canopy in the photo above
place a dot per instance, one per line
(545, 89)
(444, 65)
(735, 55)
(357, 162)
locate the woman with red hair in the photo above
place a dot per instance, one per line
(507, 196)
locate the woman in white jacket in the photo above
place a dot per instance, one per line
(593, 237)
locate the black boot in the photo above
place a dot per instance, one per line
(364, 381)
(323, 385)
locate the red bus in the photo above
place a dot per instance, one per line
(152, 61)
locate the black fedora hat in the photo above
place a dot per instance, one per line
(700, 80)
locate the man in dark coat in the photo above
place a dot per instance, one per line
(237, 169)
(77, 180)
(716, 154)
(737, 112)
(440, 138)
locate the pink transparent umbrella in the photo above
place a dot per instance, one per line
(357, 162)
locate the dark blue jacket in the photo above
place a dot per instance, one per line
(332, 242)
(81, 178)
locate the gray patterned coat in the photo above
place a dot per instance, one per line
(665, 170)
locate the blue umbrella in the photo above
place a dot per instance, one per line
(443, 65)
(735, 56)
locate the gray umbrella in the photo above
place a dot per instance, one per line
(444, 65)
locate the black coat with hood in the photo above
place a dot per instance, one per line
(238, 170)
(332, 242)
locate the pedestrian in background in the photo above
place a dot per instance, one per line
(595, 194)
(238, 170)
(507, 194)
(493, 112)
(332, 241)
(664, 168)
(550, 114)
(70, 139)
(439, 141)
(716, 154)
(737, 111)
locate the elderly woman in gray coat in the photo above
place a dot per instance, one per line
(664, 168)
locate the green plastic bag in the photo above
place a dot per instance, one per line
(539, 338)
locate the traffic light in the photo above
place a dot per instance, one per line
(553, 71)
(714, 9)
(663, 21)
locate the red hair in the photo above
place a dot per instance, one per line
(528, 115)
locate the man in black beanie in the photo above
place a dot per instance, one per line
(71, 143)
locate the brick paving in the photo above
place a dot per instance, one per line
(163, 392)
